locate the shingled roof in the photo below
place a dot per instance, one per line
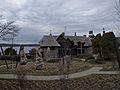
(82, 39)
(77, 39)
(49, 41)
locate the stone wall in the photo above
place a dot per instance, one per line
(53, 53)
(89, 50)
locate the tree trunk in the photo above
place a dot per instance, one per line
(117, 53)
(101, 56)
(5, 59)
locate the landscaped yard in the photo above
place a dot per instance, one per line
(48, 68)
(53, 68)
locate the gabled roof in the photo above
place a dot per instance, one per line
(49, 41)
(88, 41)
(76, 39)
(81, 39)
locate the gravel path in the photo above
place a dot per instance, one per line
(85, 73)
(57, 77)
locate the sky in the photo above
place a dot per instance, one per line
(37, 17)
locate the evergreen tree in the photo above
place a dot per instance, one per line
(10, 51)
(104, 45)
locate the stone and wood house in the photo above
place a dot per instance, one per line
(61, 45)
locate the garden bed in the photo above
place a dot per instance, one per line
(91, 82)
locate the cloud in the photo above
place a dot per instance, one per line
(38, 17)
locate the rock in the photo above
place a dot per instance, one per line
(96, 56)
(23, 62)
(39, 67)
(83, 60)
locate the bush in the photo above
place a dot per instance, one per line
(14, 58)
(93, 61)
(53, 60)
(29, 56)
(100, 62)
(86, 56)
(90, 57)
(10, 51)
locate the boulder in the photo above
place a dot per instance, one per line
(39, 67)
(83, 60)
(23, 62)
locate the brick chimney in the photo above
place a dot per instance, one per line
(91, 35)
(85, 35)
(103, 30)
(63, 34)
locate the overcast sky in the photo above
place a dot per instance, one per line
(37, 17)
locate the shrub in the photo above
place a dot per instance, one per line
(90, 57)
(10, 51)
(14, 58)
(53, 60)
(100, 62)
(93, 61)
(86, 56)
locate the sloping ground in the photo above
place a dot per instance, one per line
(91, 82)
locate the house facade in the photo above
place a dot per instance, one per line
(71, 45)
(75, 45)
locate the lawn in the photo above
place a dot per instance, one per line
(48, 68)
(53, 68)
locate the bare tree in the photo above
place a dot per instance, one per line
(8, 31)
